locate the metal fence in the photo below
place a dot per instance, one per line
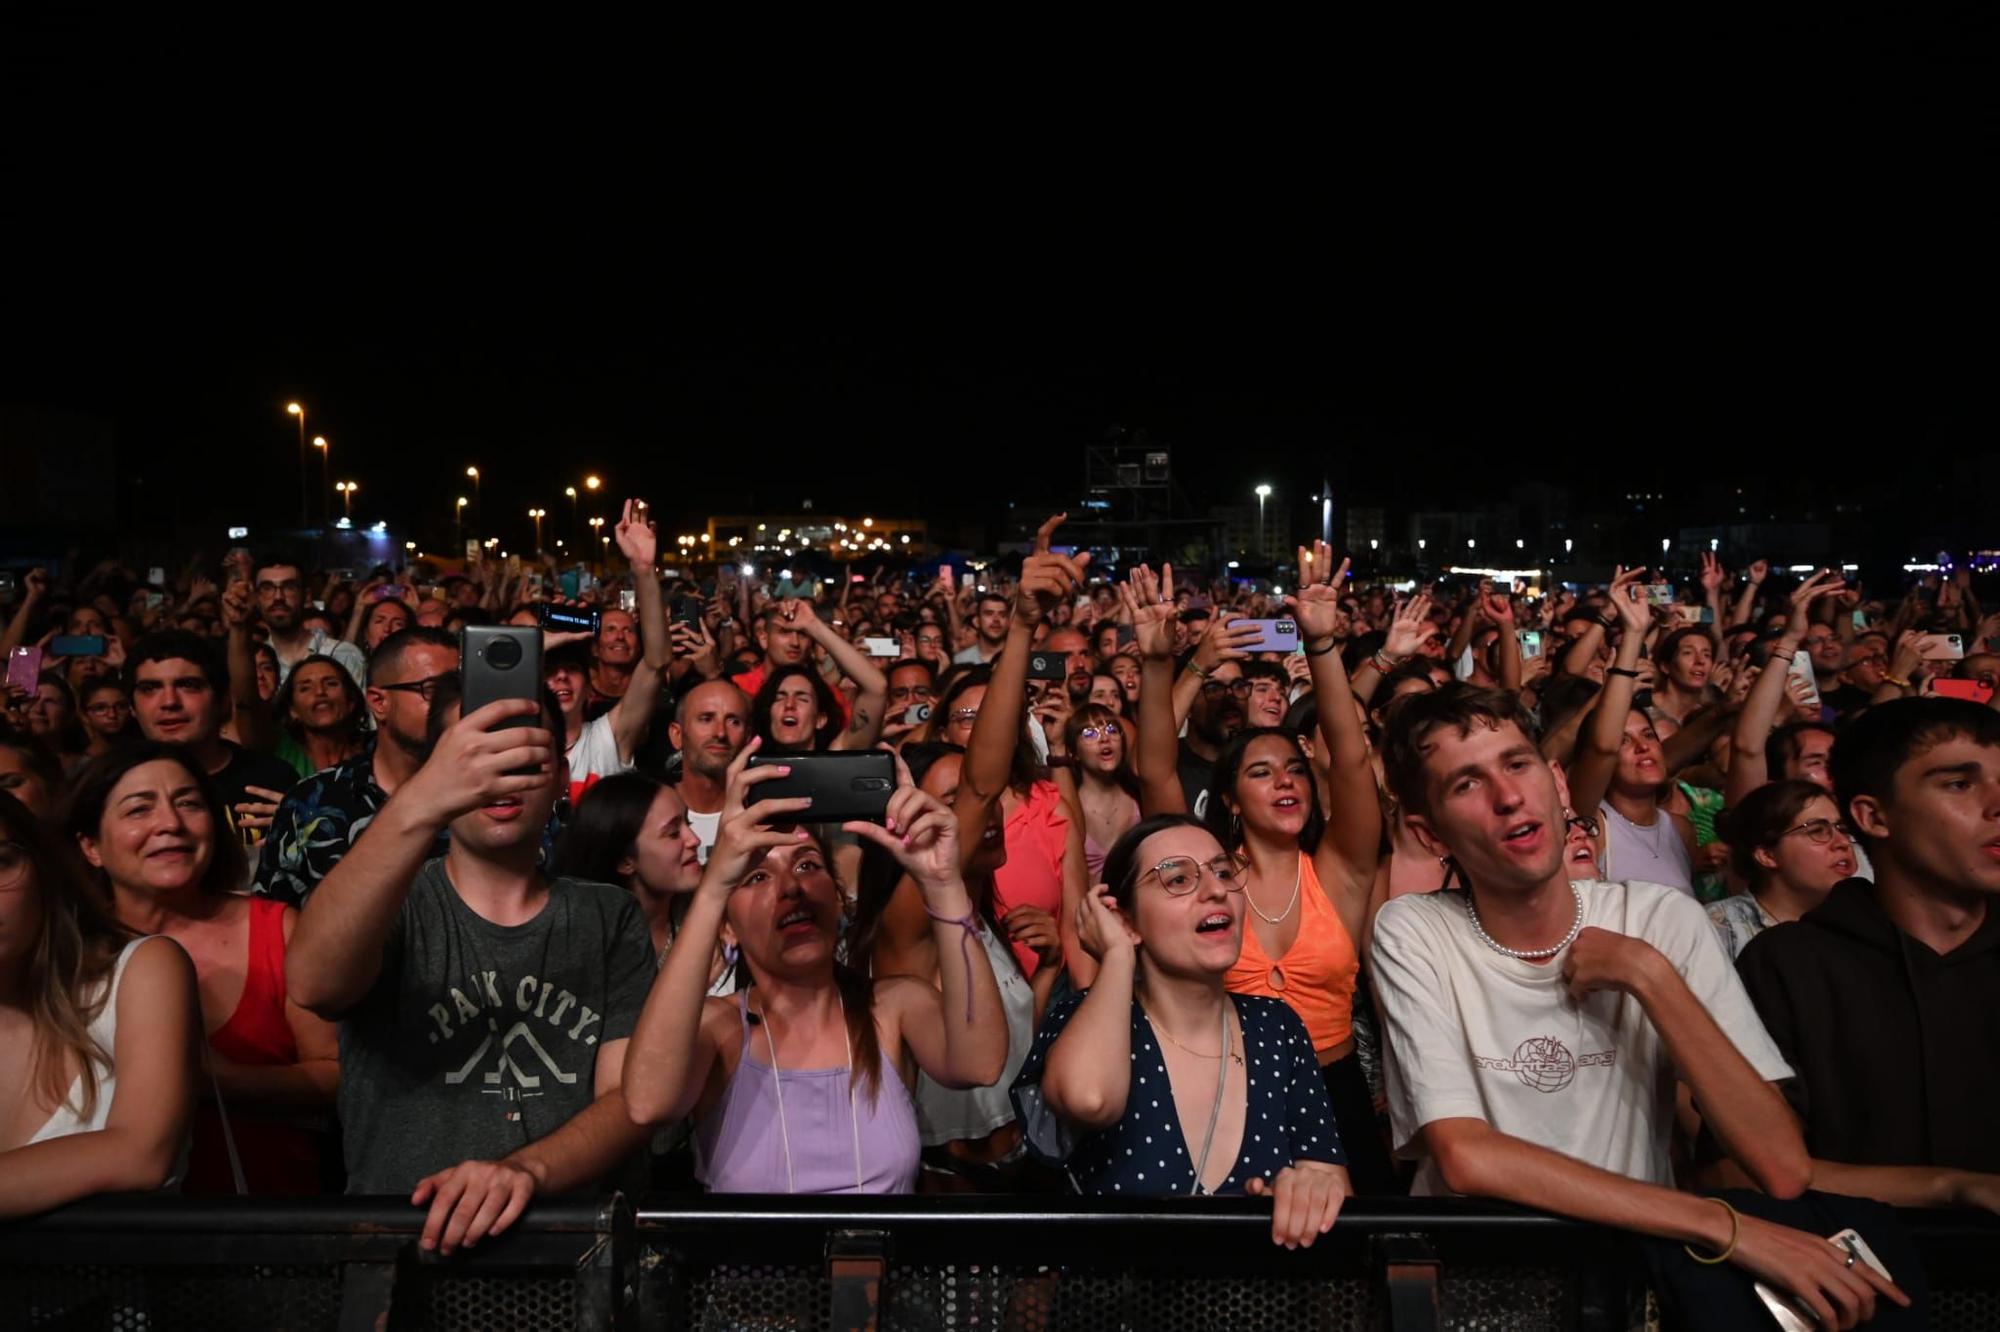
(821, 1264)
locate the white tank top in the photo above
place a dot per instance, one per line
(1652, 854)
(947, 1114)
(104, 1030)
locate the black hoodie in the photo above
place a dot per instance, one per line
(1897, 1049)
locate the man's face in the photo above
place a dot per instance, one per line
(431, 613)
(1493, 806)
(992, 621)
(1076, 659)
(717, 718)
(1866, 665)
(908, 686)
(617, 638)
(1826, 649)
(1810, 763)
(400, 701)
(1266, 704)
(174, 702)
(784, 644)
(517, 821)
(887, 606)
(1942, 820)
(1218, 712)
(566, 681)
(464, 595)
(280, 596)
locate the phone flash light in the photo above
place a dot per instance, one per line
(238, 533)
(747, 571)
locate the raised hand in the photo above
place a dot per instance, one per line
(474, 765)
(1227, 638)
(239, 606)
(1146, 602)
(1712, 575)
(1822, 584)
(1036, 929)
(1409, 628)
(1047, 579)
(921, 832)
(743, 835)
(1099, 927)
(1628, 601)
(1498, 607)
(1317, 605)
(637, 540)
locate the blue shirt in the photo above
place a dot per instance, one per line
(1146, 1153)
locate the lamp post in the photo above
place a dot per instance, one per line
(346, 489)
(591, 484)
(1263, 493)
(571, 492)
(478, 509)
(458, 522)
(538, 515)
(298, 410)
(325, 475)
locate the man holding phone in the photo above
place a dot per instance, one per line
(484, 1010)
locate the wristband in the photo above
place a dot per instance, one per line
(1195, 666)
(1332, 642)
(1620, 670)
(969, 922)
(1061, 761)
(1783, 656)
(1735, 1232)
(1382, 661)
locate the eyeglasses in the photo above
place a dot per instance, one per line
(1820, 832)
(910, 691)
(289, 585)
(1591, 827)
(13, 866)
(108, 709)
(1098, 733)
(426, 688)
(964, 716)
(1217, 688)
(1181, 875)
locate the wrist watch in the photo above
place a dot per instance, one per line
(1061, 761)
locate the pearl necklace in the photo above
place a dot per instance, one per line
(1298, 870)
(1526, 954)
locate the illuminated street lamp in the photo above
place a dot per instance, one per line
(538, 515)
(325, 474)
(458, 519)
(346, 489)
(1263, 493)
(478, 509)
(298, 410)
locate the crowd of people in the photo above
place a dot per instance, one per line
(1662, 908)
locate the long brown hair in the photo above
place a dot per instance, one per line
(78, 945)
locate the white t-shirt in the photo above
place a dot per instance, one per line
(705, 826)
(1472, 1034)
(594, 755)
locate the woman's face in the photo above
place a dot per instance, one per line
(1126, 671)
(941, 780)
(267, 674)
(1273, 787)
(319, 698)
(1106, 692)
(19, 780)
(107, 713)
(49, 712)
(1807, 865)
(666, 854)
(964, 711)
(156, 837)
(1640, 768)
(390, 617)
(1201, 931)
(1583, 850)
(1100, 745)
(1693, 658)
(794, 713)
(87, 620)
(786, 911)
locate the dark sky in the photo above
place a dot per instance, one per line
(1611, 260)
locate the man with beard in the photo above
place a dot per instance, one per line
(320, 818)
(1075, 649)
(1216, 715)
(708, 729)
(281, 598)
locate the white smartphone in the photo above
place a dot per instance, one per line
(1801, 668)
(883, 649)
(1793, 1316)
(1531, 643)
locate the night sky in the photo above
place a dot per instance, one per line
(1763, 266)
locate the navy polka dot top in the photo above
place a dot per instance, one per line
(1145, 1154)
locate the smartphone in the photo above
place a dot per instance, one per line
(1793, 1316)
(1860, 619)
(687, 611)
(1048, 666)
(155, 600)
(501, 661)
(1937, 647)
(1272, 635)
(1531, 643)
(916, 714)
(1694, 614)
(1659, 594)
(1970, 690)
(24, 668)
(387, 590)
(842, 786)
(157, 576)
(628, 599)
(1801, 668)
(568, 619)
(472, 550)
(77, 645)
(1127, 635)
(882, 648)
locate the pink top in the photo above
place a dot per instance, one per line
(1037, 841)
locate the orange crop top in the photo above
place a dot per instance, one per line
(1315, 976)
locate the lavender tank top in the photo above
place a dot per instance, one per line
(740, 1147)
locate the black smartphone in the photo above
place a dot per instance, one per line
(501, 661)
(842, 786)
(77, 645)
(687, 611)
(567, 619)
(1048, 666)
(1127, 635)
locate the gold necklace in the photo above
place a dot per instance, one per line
(1160, 1027)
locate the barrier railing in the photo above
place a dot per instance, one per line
(799, 1264)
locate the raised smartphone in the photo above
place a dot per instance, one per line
(501, 661)
(842, 786)
(1272, 635)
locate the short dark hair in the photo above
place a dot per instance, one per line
(1760, 819)
(1781, 747)
(1264, 670)
(906, 663)
(1459, 706)
(823, 700)
(1663, 652)
(178, 645)
(1876, 744)
(985, 597)
(1121, 862)
(388, 654)
(227, 868)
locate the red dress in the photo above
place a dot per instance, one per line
(278, 1157)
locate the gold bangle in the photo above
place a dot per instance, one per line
(1195, 666)
(1735, 1230)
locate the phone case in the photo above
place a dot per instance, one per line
(842, 786)
(501, 661)
(1274, 636)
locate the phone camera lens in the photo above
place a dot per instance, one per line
(503, 654)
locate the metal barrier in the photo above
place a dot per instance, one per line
(820, 1264)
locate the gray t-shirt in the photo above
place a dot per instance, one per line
(480, 1038)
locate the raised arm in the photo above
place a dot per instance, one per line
(1409, 626)
(1088, 1075)
(1747, 768)
(1746, 601)
(633, 713)
(1347, 852)
(1499, 610)
(1712, 577)
(1150, 602)
(1596, 761)
(864, 728)
(34, 587)
(256, 728)
(336, 951)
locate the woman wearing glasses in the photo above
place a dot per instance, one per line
(1159, 1081)
(1787, 841)
(98, 1033)
(1107, 790)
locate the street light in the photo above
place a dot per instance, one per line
(298, 410)
(458, 520)
(478, 509)
(538, 515)
(346, 489)
(325, 474)
(1263, 493)
(571, 492)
